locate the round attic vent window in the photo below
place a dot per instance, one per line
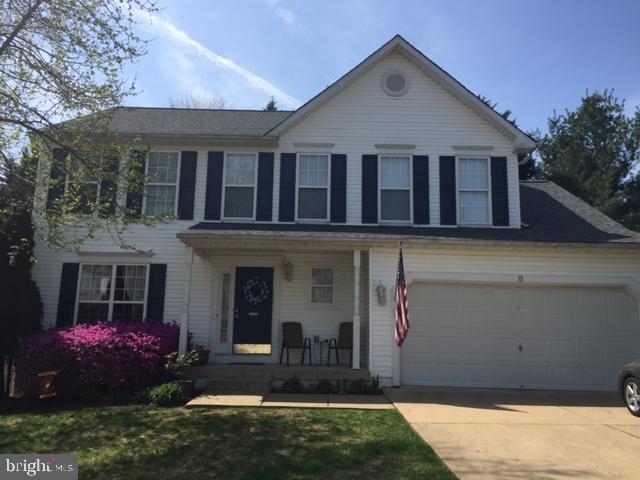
(395, 83)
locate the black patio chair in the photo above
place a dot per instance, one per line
(344, 342)
(292, 338)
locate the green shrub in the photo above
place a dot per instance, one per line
(325, 386)
(166, 395)
(292, 385)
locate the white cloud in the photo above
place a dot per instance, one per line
(182, 38)
(283, 13)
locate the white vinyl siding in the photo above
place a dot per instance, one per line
(445, 264)
(474, 198)
(426, 116)
(313, 187)
(395, 188)
(240, 178)
(162, 188)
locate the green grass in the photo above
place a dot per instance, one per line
(136, 442)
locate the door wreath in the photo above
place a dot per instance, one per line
(255, 291)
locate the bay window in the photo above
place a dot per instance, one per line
(395, 188)
(313, 186)
(240, 175)
(473, 190)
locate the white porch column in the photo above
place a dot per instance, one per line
(356, 310)
(186, 300)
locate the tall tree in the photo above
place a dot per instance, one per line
(62, 60)
(271, 105)
(19, 295)
(192, 100)
(593, 152)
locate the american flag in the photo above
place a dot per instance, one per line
(402, 303)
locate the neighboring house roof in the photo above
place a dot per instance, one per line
(550, 214)
(197, 122)
(522, 142)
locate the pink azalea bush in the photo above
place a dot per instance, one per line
(103, 356)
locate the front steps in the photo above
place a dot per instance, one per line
(257, 379)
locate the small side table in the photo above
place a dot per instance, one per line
(318, 348)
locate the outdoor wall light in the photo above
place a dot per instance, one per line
(287, 266)
(381, 293)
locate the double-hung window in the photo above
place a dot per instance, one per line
(313, 186)
(321, 285)
(85, 186)
(240, 175)
(473, 190)
(395, 188)
(115, 293)
(162, 187)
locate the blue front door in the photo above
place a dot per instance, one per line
(252, 310)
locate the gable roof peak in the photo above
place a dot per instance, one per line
(521, 141)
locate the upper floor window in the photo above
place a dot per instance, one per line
(162, 187)
(112, 293)
(473, 190)
(240, 175)
(313, 186)
(395, 188)
(85, 188)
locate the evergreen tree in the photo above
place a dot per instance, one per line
(593, 152)
(271, 105)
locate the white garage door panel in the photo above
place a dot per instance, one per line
(470, 335)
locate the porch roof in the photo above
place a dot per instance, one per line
(551, 217)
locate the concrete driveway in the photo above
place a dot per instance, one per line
(510, 434)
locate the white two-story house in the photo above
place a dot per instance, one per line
(298, 216)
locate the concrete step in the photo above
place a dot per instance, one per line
(239, 386)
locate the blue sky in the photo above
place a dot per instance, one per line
(531, 56)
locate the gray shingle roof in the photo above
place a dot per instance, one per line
(194, 122)
(550, 214)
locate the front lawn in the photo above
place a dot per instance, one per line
(142, 443)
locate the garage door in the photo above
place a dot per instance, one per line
(519, 337)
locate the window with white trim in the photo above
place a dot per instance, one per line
(240, 175)
(321, 285)
(86, 187)
(395, 188)
(473, 190)
(313, 186)
(115, 293)
(224, 307)
(162, 187)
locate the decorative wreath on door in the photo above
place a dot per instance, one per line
(255, 291)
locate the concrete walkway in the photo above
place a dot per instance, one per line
(290, 400)
(502, 434)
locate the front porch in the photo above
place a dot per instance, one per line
(238, 293)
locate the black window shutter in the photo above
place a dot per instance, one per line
(369, 189)
(448, 213)
(109, 186)
(287, 187)
(265, 187)
(421, 189)
(57, 176)
(187, 189)
(499, 192)
(135, 192)
(213, 200)
(67, 295)
(155, 295)
(338, 197)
